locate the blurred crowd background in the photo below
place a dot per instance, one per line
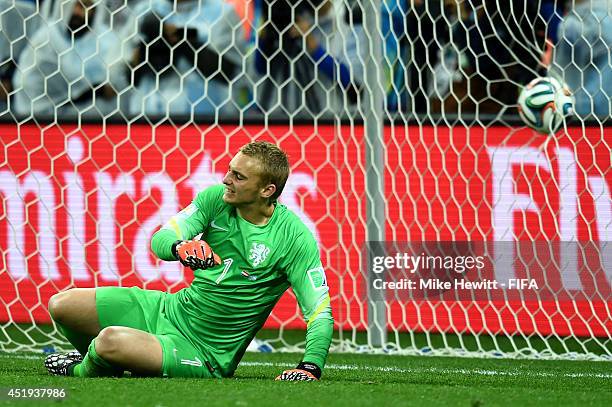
(296, 58)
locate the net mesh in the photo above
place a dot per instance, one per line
(400, 120)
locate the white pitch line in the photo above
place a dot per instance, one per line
(10, 356)
(395, 369)
(479, 372)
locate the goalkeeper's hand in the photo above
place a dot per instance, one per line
(195, 254)
(304, 372)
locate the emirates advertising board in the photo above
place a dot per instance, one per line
(79, 205)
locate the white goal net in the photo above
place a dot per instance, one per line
(446, 225)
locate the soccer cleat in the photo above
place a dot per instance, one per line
(59, 363)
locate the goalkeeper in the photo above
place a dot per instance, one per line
(245, 249)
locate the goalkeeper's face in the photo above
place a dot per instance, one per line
(243, 183)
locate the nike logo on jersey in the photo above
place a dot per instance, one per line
(215, 226)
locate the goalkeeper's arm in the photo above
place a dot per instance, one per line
(181, 227)
(194, 253)
(318, 339)
(177, 240)
(309, 283)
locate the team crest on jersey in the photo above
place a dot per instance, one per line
(258, 254)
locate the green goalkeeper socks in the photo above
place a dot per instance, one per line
(94, 366)
(78, 340)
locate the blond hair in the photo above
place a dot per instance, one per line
(274, 163)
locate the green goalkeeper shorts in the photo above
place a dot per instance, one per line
(145, 310)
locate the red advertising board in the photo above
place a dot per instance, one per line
(79, 205)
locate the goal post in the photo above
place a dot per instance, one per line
(445, 225)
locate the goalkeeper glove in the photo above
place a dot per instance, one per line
(195, 254)
(305, 372)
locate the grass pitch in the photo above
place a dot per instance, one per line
(349, 380)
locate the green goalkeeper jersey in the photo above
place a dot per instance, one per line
(225, 306)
